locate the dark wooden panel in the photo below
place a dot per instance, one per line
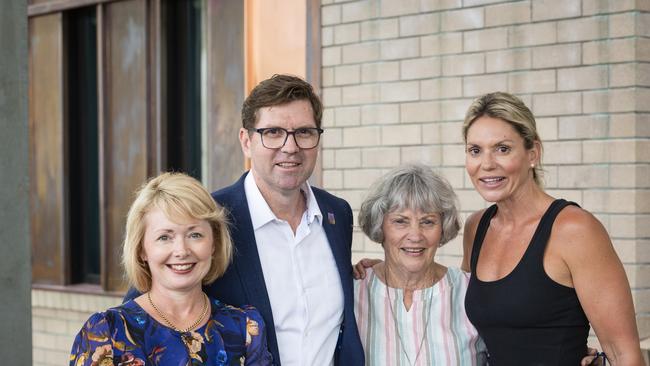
(124, 121)
(47, 168)
(225, 91)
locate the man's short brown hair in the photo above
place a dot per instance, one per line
(277, 90)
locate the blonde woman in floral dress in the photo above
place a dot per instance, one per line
(176, 241)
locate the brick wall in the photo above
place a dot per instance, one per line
(399, 75)
(57, 317)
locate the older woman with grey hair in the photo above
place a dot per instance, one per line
(410, 309)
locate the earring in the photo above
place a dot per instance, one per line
(532, 166)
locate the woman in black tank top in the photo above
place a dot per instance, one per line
(542, 269)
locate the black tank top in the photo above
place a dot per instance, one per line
(526, 318)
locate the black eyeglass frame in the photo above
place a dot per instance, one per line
(286, 137)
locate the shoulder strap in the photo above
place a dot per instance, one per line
(483, 225)
(543, 231)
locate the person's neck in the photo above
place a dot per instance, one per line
(396, 277)
(286, 205)
(180, 303)
(524, 205)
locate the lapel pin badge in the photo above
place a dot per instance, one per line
(330, 218)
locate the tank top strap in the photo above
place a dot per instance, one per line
(540, 238)
(481, 230)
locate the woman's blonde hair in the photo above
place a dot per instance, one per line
(513, 111)
(177, 195)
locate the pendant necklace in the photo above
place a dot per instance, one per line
(168, 323)
(426, 323)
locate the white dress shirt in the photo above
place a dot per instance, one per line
(301, 278)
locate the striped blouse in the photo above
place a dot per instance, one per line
(450, 338)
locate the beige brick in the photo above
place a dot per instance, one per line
(354, 197)
(347, 158)
(441, 44)
(454, 20)
(358, 10)
(583, 127)
(609, 100)
(606, 6)
(333, 137)
(508, 13)
(380, 157)
(347, 116)
(568, 194)
(380, 114)
(531, 81)
(480, 2)
(624, 75)
(562, 152)
(400, 92)
(433, 5)
(428, 155)
(327, 36)
(474, 86)
(420, 68)
(629, 176)
(332, 96)
(441, 88)
(331, 56)
(463, 64)
(360, 94)
(532, 34)
(419, 112)
(362, 52)
(485, 39)
(470, 200)
(346, 33)
(400, 48)
(583, 176)
(556, 104)
(56, 326)
(547, 128)
(451, 132)
(327, 76)
(361, 136)
(609, 51)
(328, 118)
(360, 178)
(582, 29)
(45, 341)
(508, 60)
(555, 9)
(610, 151)
(557, 56)
(454, 110)
(643, 24)
(431, 133)
(611, 201)
(393, 8)
(327, 158)
(380, 29)
(331, 14)
(549, 177)
(401, 135)
(453, 155)
(380, 71)
(582, 78)
(57, 357)
(622, 25)
(455, 176)
(347, 74)
(414, 25)
(642, 46)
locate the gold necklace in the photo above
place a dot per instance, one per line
(204, 312)
(426, 323)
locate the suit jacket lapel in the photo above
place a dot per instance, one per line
(334, 236)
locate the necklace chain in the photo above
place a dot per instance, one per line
(426, 323)
(204, 312)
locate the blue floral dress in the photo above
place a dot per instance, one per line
(127, 336)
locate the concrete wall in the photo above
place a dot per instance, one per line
(398, 77)
(15, 272)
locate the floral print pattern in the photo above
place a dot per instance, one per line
(127, 336)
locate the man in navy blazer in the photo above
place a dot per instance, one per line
(292, 257)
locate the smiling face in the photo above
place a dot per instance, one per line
(497, 161)
(178, 254)
(411, 239)
(283, 170)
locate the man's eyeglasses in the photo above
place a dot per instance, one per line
(276, 137)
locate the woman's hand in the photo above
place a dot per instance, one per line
(359, 269)
(593, 358)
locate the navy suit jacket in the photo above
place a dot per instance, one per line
(243, 282)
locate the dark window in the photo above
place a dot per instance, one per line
(82, 145)
(182, 72)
